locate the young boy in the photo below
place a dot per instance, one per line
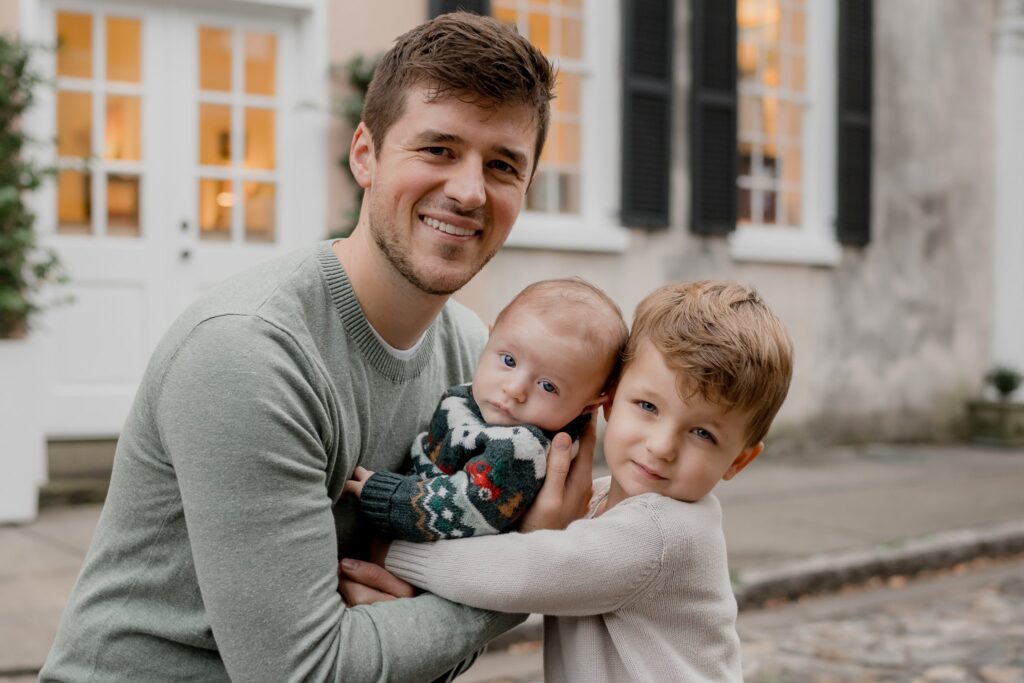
(639, 589)
(550, 357)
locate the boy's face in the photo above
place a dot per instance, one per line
(657, 442)
(529, 374)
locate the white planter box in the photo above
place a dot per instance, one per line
(22, 441)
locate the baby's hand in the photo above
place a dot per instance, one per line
(355, 484)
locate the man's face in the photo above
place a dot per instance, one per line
(445, 187)
(659, 442)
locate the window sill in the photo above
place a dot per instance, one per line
(783, 245)
(566, 233)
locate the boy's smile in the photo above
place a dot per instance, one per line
(657, 442)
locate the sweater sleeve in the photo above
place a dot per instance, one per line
(247, 427)
(486, 496)
(593, 566)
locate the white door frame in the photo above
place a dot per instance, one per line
(147, 270)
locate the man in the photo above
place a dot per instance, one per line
(216, 553)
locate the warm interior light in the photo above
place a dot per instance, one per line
(225, 200)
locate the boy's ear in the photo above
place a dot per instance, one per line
(602, 400)
(745, 457)
(361, 157)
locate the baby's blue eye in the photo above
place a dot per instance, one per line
(508, 360)
(548, 387)
(647, 406)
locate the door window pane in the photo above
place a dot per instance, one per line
(215, 203)
(214, 58)
(260, 63)
(74, 202)
(123, 205)
(259, 138)
(260, 207)
(123, 50)
(123, 131)
(74, 124)
(214, 135)
(74, 45)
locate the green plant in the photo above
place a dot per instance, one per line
(25, 267)
(357, 73)
(1005, 380)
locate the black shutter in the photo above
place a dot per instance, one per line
(481, 7)
(853, 173)
(647, 112)
(713, 146)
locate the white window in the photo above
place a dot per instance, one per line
(786, 84)
(573, 201)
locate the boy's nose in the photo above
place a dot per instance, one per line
(661, 445)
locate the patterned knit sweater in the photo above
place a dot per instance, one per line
(469, 478)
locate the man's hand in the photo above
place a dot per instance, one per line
(568, 485)
(355, 484)
(364, 583)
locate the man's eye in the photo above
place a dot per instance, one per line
(504, 167)
(647, 406)
(436, 151)
(548, 387)
(508, 360)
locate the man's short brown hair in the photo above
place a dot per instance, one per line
(472, 58)
(576, 307)
(724, 343)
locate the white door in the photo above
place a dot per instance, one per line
(169, 125)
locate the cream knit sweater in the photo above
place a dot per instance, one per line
(640, 593)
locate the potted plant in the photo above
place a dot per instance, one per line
(25, 268)
(1001, 421)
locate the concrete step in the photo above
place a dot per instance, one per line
(79, 471)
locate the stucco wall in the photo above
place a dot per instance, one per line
(9, 17)
(891, 340)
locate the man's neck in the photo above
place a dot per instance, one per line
(399, 312)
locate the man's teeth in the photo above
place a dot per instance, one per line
(447, 227)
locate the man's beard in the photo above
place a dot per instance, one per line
(399, 259)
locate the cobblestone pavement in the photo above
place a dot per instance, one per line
(959, 626)
(964, 625)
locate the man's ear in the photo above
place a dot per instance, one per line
(742, 460)
(361, 156)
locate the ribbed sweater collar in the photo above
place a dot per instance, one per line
(359, 330)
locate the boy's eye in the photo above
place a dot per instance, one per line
(548, 387)
(647, 406)
(508, 360)
(702, 433)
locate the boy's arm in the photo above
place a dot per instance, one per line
(486, 496)
(594, 566)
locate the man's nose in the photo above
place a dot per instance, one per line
(466, 184)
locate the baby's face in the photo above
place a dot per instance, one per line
(528, 374)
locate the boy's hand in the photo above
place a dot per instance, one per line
(355, 484)
(568, 486)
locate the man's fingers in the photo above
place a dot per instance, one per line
(373, 576)
(559, 460)
(352, 486)
(354, 593)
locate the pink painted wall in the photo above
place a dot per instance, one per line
(8, 16)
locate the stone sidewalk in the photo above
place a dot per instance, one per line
(794, 523)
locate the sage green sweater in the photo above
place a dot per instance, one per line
(216, 553)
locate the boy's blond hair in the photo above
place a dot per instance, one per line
(573, 306)
(724, 343)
